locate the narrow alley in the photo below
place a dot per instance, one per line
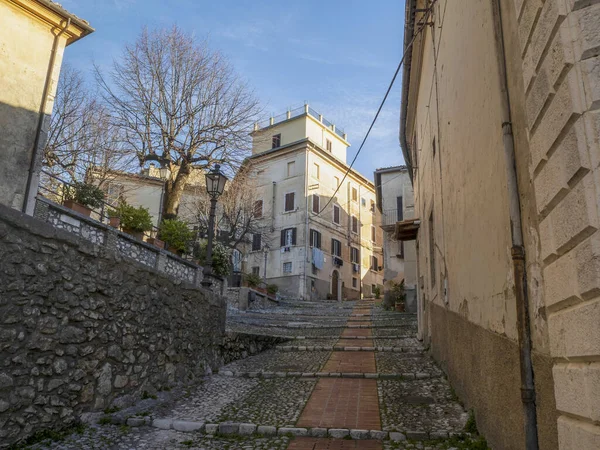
(347, 376)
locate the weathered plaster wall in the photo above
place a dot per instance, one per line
(82, 328)
(560, 44)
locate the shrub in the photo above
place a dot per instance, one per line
(175, 233)
(85, 194)
(132, 218)
(377, 291)
(272, 289)
(252, 279)
(221, 258)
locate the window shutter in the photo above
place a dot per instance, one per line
(318, 240)
(289, 201)
(399, 206)
(336, 214)
(293, 236)
(282, 238)
(256, 242)
(316, 203)
(333, 246)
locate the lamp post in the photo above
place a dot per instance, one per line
(266, 249)
(215, 185)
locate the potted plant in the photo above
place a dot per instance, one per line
(156, 242)
(82, 197)
(377, 291)
(176, 234)
(400, 296)
(114, 217)
(252, 280)
(134, 221)
(272, 289)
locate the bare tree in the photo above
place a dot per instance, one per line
(239, 214)
(180, 104)
(81, 137)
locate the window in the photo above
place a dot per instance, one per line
(114, 193)
(336, 248)
(276, 141)
(363, 202)
(354, 282)
(354, 224)
(354, 195)
(290, 203)
(336, 182)
(400, 207)
(316, 203)
(373, 233)
(288, 237)
(255, 270)
(287, 267)
(372, 206)
(431, 249)
(256, 242)
(291, 168)
(374, 263)
(336, 214)
(400, 253)
(315, 239)
(328, 145)
(354, 255)
(258, 208)
(316, 171)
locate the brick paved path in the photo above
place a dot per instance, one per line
(330, 378)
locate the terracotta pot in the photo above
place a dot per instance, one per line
(139, 235)
(81, 209)
(400, 307)
(156, 242)
(114, 222)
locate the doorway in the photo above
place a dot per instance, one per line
(335, 285)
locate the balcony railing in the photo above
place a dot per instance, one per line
(390, 217)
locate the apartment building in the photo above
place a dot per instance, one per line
(322, 238)
(395, 203)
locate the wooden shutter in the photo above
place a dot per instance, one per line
(400, 211)
(289, 201)
(336, 214)
(318, 240)
(282, 238)
(316, 205)
(293, 236)
(256, 241)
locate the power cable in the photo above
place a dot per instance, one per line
(423, 24)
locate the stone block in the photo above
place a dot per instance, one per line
(397, 437)
(577, 435)
(229, 428)
(359, 434)
(575, 331)
(525, 26)
(211, 428)
(283, 431)
(338, 433)
(247, 429)
(417, 435)
(187, 426)
(552, 14)
(163, 424)
(136, 421)
(590, 70)
(267, 430)
(318, 432)
(577, 389)
(588, 21)
(378, 434)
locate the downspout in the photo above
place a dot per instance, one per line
(307, 261)
(518, 250)
(42, 115)
(409, 29)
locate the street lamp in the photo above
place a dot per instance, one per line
(215, 185)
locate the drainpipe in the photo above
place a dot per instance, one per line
(42, 115)
(307, 260)
(409, 29)
(518, 250)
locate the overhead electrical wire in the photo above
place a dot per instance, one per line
(427, 12)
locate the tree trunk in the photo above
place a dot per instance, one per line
(174, 191)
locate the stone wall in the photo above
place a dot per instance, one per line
(241, 345)
(560, 43)
(244, 298)
(82, 327)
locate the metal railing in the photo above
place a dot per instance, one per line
(296, 112)
(390, 217)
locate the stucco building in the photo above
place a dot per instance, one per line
(500, 129)
(34, 34)
(322, 238)
(395, 203)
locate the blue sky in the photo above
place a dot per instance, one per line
(337, 55)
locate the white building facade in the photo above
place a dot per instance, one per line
(322, 239)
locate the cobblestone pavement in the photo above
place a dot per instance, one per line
(346, 369)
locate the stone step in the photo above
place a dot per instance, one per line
(374, 376)
(338, 348)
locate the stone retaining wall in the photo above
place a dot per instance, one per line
(244, 298)
(82, 327)
(240, 345)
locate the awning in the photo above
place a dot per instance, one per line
(407, 229)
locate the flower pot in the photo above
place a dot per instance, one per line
(81, 209)
(114, 222)
(400, 307)
(156, 242)
(139, 235)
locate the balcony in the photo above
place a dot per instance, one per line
(296, 112)
(389, 217)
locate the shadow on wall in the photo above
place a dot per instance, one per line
(19, 127)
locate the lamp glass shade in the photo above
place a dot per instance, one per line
(215, 182)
